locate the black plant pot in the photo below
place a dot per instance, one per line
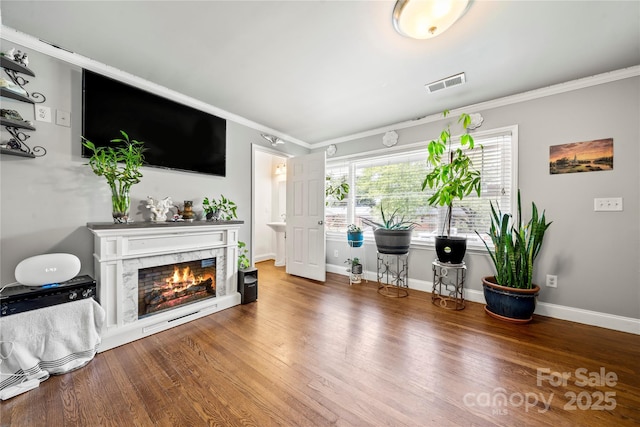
(509, 304)
(451, 249)
(356, 268)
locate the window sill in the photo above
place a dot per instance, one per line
(336, 236)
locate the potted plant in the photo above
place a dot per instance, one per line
(510, 294)
(355, 268)
(452, 177)
(219, 209)
(336, 190)
(393, 234)
(120, 166)
(243, 260)
(354, 236)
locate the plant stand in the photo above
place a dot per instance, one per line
(393, 275)
(448, 285)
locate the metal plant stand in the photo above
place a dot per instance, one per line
(448, 285)
(393, 275)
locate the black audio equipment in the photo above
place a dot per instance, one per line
(248, 285)
(18, 299)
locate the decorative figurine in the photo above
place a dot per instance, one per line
(159, 208)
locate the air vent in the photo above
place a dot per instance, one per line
(445, 83)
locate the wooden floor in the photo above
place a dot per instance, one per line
(319, 354)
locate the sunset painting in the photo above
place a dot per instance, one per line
(587, 156)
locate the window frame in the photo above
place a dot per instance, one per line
(351, 159)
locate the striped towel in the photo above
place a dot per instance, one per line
(51, 340)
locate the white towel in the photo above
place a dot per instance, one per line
(51, 340)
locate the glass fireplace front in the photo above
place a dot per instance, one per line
(165, 287)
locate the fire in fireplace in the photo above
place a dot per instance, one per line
(164, 287)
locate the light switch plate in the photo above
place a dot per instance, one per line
(63, 118)
(607, 204)
(43, 114)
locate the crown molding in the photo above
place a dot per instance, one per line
(81, 61)
(585, 82)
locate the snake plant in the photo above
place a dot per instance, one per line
(515, 246)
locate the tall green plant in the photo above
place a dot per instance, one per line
(120, 166)
(452, 175)
(515, 246)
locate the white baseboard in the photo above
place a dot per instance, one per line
(264, 257)
(588, 317)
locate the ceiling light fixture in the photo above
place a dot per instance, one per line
(424, 19)
(274, 140)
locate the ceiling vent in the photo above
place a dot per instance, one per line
(445, 83)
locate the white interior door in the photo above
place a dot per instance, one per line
(305, 237)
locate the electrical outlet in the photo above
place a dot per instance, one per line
(552, 281)
(335, 253)
(43, 114)
(607, 204)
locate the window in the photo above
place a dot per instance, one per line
(393, 180)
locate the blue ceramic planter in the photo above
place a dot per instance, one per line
(355, 238)
(509, 304)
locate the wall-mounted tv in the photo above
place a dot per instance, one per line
(175, 135)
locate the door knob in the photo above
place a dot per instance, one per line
(320, 222)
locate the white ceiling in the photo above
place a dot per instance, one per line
(317, 71)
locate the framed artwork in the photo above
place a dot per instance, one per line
(586, 156)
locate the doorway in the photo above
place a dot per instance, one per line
(269, 195)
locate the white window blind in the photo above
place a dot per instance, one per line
(394, 181)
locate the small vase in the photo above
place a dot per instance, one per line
(187, 213)
(120, 202)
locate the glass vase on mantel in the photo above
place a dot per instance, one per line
(120, 202)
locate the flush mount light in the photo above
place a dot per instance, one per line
(274, 140)
(424, 19)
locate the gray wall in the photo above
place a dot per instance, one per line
(46, 202)
(596, 255)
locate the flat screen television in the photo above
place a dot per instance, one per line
(175, 135)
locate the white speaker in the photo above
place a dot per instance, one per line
(42, 270)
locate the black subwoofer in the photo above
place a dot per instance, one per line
(248, 285)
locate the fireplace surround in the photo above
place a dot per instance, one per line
(122, 252)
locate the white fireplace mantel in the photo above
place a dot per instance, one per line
(120, 250)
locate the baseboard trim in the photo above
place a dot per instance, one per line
(264, 257)
(578, 315)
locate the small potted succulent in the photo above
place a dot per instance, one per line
(355, 269)
(354, 236)
(393, 234)
(219, 209)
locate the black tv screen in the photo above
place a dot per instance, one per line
(175, 135)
